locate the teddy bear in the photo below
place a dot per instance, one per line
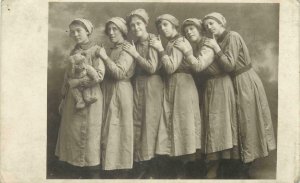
(78, 69)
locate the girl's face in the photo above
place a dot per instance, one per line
(166, 29)
(79, 34)
(137, 26)
(192, 33)
(213, 27)
(114, 33)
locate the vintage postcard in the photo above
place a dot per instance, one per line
(184, 91)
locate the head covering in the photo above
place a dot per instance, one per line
(119, 22)
(167, 17)
(88, 25)
(192, 21)
(217, 17)
(141, 13)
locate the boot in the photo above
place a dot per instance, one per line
(212, 169)
(244, 171)
(139, 170)
(180, 168)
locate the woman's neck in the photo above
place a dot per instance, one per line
(85, 42)
(144, 37)
(174, 34)
(219, 33)
(120, 41)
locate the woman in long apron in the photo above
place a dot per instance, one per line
(79, 135)
(256, 133)
(180, 128)
(147, 94)
(117, 131)
(219, 120)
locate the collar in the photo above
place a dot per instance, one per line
(118, 45)
(175, 38)
(222, 36)
(145, 41)
(85, 46)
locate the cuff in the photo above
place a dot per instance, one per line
(139, 58)
(220, 53)
(162, 53)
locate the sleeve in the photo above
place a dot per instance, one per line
(98, 65)
(119, 69)
(151, 64)
(172, 61)
(205, 58)
(229, 55)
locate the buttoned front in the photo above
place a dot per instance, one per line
(180, 125)
(117, 131)
(80, 130)
(148, 98)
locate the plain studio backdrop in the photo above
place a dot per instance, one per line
(258, 24)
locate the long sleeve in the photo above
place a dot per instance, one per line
(172, 61)
(121, 66)
(98, 65)
(228, 56)
(150, 64)
(205, 58)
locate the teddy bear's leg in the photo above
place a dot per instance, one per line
(78, 98)
(89, 96)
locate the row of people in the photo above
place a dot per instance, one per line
(147, 103)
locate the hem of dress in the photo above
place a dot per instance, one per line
(218, 149)
(257, 157)
(144, 159)
(117, 168)
(175, 155)
(78, 164)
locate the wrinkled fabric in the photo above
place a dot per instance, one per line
(180, 125)
(117, 131)
(80, 130)
(148, 98)
(219, 114)
(256, 132)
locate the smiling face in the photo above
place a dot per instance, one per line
(192, 33)
(137, 27)
(213, 27)
(114, 33)
(166, 29)
(79, 34)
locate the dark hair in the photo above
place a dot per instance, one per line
(199, 28)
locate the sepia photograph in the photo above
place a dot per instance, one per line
(99, 91)
(162, 90)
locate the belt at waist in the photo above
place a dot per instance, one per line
(216, 76)
(241, 70)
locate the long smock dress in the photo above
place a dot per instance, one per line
(117, 131)
(254, 119)
(148, 98)
(219, 115)
(80, 130)
(180, 126)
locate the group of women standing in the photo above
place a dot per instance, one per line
(148, 108)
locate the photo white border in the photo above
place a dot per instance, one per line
(23, 92)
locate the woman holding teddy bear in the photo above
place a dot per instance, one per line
(80, 128)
